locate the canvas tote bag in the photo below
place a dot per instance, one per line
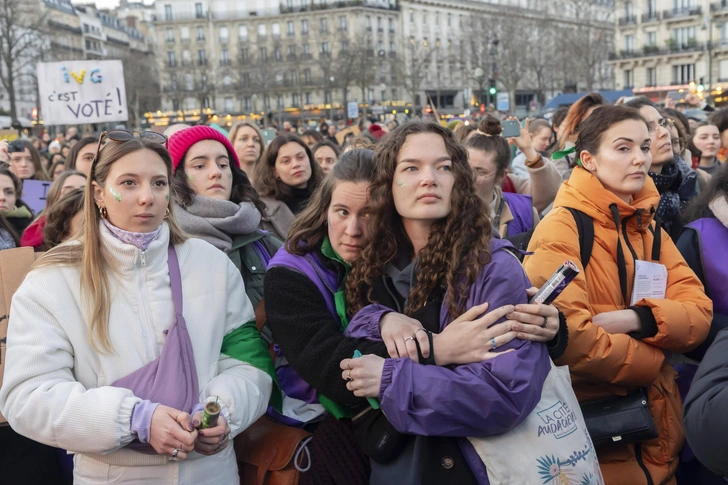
(551, 446)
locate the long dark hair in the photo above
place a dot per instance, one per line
(18, 185)
(60, 217)
(76, 149)
(242, 190)
(458, 246)
(7, 227)
(40, 172)
(265, 179)
(717, 186)
(310, 227)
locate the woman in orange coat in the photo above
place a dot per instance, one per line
(615, 345)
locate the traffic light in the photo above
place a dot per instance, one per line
(492, 90)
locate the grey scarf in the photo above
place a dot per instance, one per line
(719, 207)
(217, 221)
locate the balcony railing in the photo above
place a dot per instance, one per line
(674, 47)
(201, 62)
(333, 5)
(650, 17)
(224, 62)
(678, 13)
(628, 20)
(171, 63)
(721, 6)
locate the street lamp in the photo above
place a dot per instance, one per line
(479, 73)
(332, 79)
(708, 25)
(493, 53)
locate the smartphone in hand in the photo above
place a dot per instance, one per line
(511, 129)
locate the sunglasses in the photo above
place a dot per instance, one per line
(121, 136)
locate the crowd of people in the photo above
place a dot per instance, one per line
(376, 291)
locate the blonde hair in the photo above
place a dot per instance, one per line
(90, 254)
(234, 133)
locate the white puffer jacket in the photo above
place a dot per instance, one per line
(56, 388)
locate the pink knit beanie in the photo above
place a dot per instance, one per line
(180, 142)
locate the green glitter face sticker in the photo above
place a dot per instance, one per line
(115, 194)
(401, 184)
(190, 177)
(166, 197)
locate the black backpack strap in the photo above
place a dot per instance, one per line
(585, 228)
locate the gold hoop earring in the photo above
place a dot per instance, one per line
(102, 212)
(166, 213)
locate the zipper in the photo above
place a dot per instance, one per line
(641, 463)
(144, 313)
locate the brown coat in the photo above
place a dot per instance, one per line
(542, 184)
(277, 219)
(604, 364)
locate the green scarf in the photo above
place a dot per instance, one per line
(21, 212)
(335, 409)
(563, 153)
(244, 344)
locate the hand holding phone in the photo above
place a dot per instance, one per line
(511, 129)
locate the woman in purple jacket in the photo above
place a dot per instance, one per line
(430, 256)
(305, 307)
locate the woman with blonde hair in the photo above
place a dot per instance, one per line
(143, 329)
(247, 140)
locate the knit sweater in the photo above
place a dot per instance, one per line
(56, 388)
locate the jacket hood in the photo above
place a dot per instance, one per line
(583, 191)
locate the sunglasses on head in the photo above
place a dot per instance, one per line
(121, 136)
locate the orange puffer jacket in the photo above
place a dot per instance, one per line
(604, 364)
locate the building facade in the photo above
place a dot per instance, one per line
(669, 45)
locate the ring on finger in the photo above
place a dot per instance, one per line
(492, 342)
(545, 321)
(175, 453)
(348, 376)
(409, 338)
(177, 417)
(218, 448)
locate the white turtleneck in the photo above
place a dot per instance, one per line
(56, 388)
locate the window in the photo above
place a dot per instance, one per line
(370, 95)
(651, 8)
(629, 43)
(449, 19)
(308, 98)
(279, 78)
(651, 76)
(228, 104)
(243, 33)
(189, 82)
(294, 100)
(723, 70)
(391, 46)
(424, 18)
(275, 29)
(391, 26)
(684, 37)
(171, 59)
(327, 98)
(306, 49)
(201, 58)
(369, 23)
(307, 76)
(683, 4)
(261, 31)
(628, 78)
(342, 23)
(186, 58)
(224, 35)
(380, 27)
(246, 103)
(198, 11)
(324, 25)
(200, 33)
(412, 17)
(291, 31)
(168, 12)
(263, 54)
(294, 78)
(291, 51)
(325, 47)
(380, 45)
(246, 79)
(266, 101)
(628, 9)
(394, 93)
(683, 73)
(344, 45)
(244, 56)
(225, 57)
(304, 27)
(437, 18)
(170, 35)
(651, 38)
(279, 101)
(383, 95)
(277, 54)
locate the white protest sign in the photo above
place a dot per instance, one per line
(352, 110)
(76, 92)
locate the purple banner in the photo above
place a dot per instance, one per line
(34, 194)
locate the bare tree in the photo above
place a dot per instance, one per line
(511, 54)
(142, 86)
(413, 71)
(590, 39)
(21, 42)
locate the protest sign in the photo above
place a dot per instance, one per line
(503, 102)
(34, 194)
(352, 110)
(341, 136)
(77, 92)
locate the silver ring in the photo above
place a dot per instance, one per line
(545, 321)
(492, 342)
(175, 453)
(409, 338)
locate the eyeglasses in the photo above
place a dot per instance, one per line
(666, 123)
(122, 136)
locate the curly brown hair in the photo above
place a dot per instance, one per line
(60, 218)
(459, 244)
(265, 180)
